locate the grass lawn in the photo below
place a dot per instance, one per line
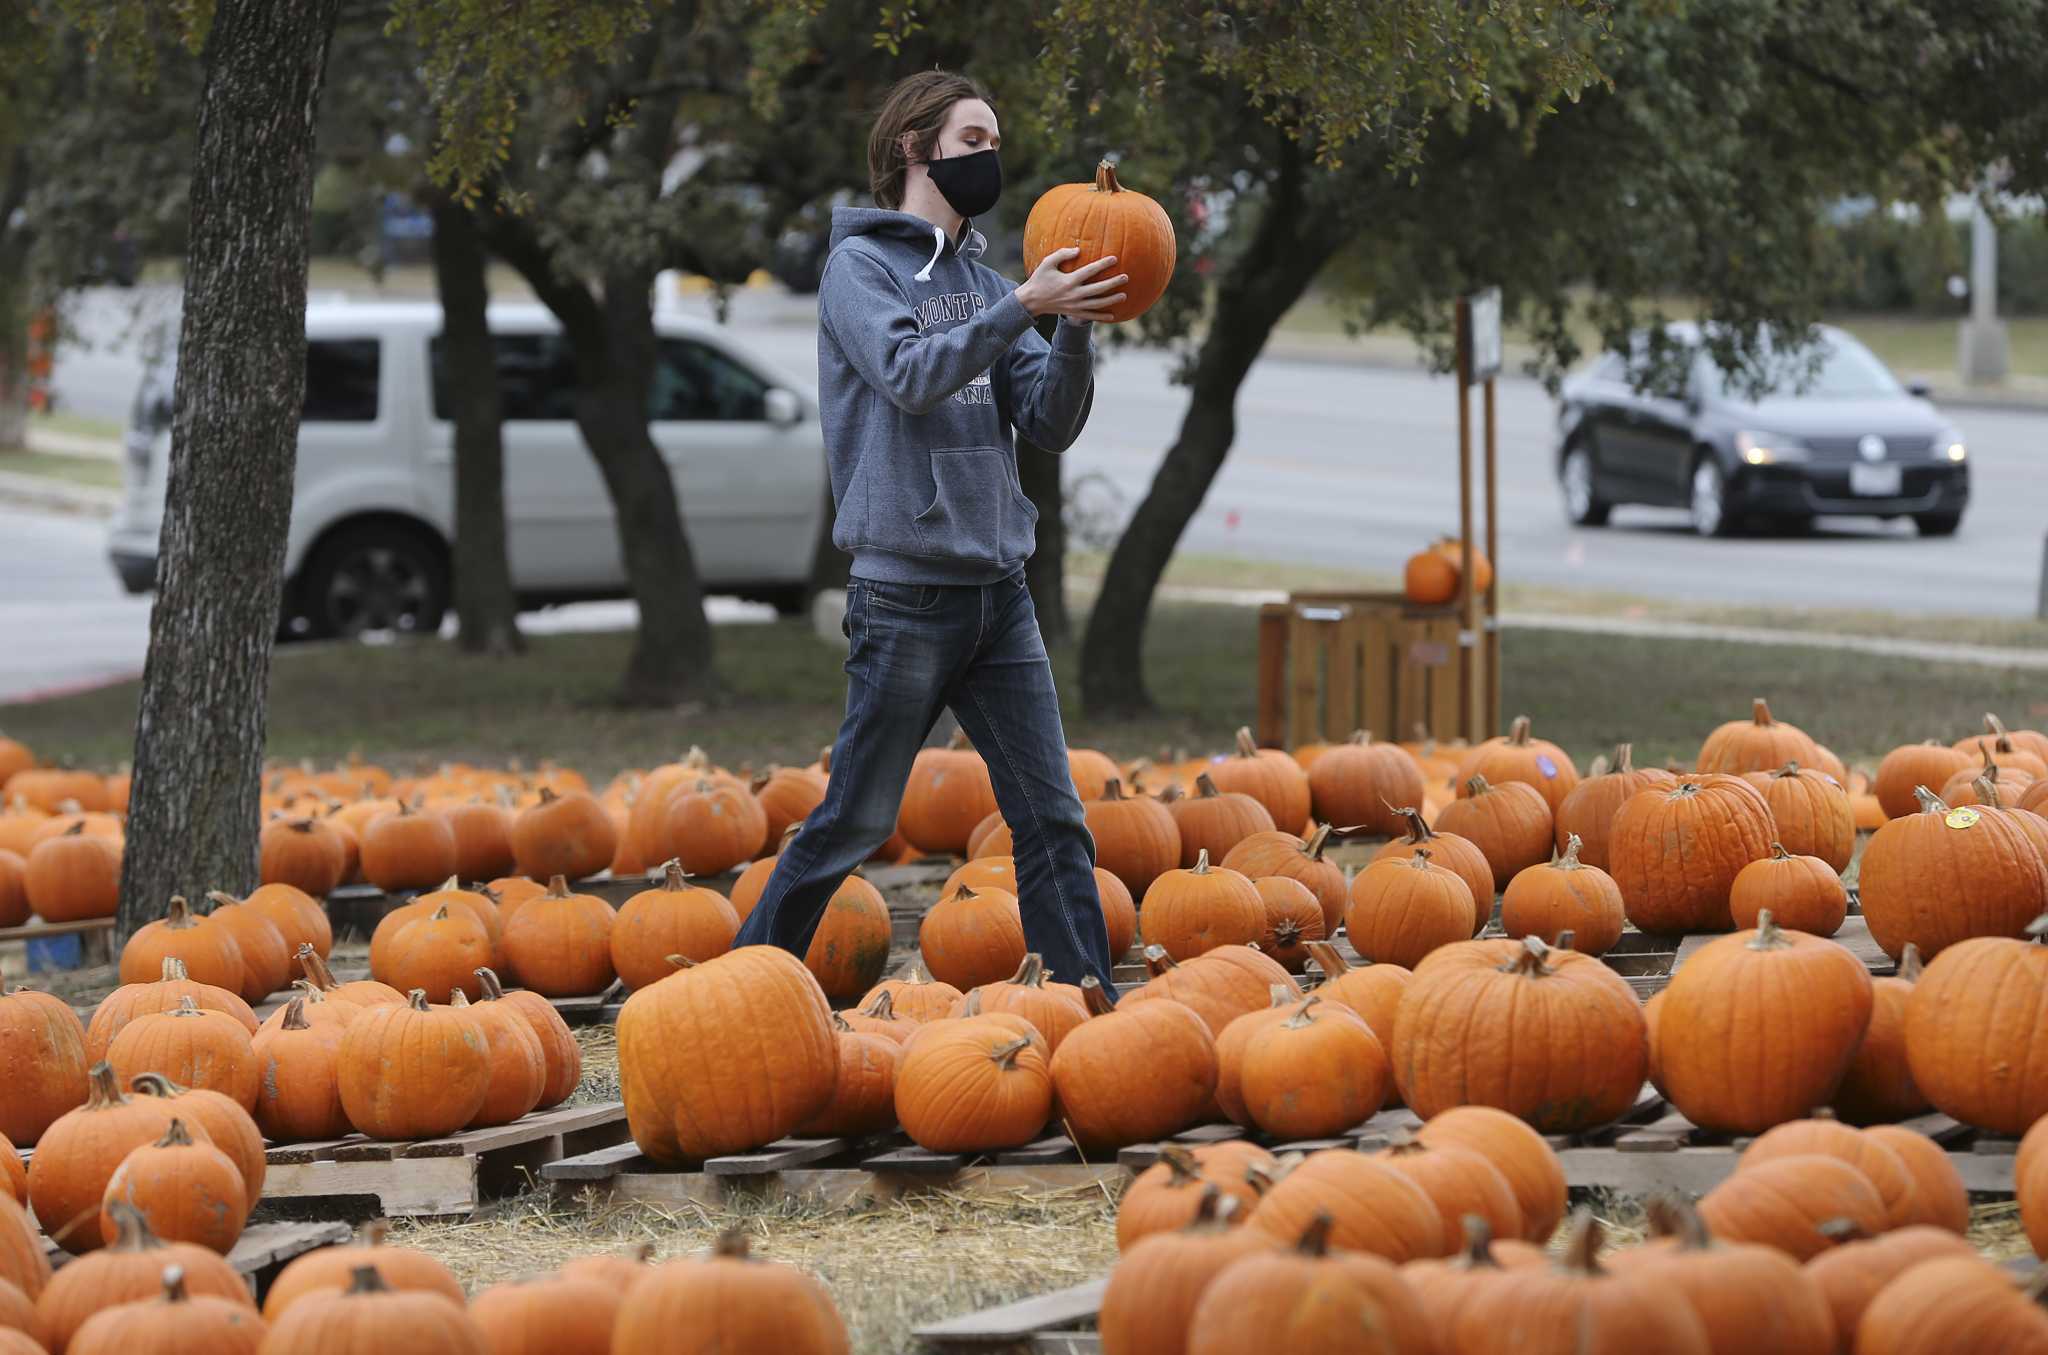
(77, 425)
(95, 471)
(425, 702)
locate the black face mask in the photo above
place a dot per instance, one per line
(970, 184)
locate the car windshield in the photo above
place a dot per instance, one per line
(1834, 367)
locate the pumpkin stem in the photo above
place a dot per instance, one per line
(186, 1007)
(1768, 934)
(316, 970)
(1477, 787)
(1478, 1254)
(558, 887)
(1286, 934)
(1570, 859)
(1005, 1055)
(1986, 787)
(416, 999)
(1105, 178)
(1566, 940)
(1910, 963)
(1315, 1239)
(883, 1008)
(1031, 973)
(970, 1002)
(1094, 998)
(295, 1015)
(154, 1084)
(1624, 759)
(174, 1285)
(366, 1280)
(964, 892)
(1672, 1217)
(1518, 732)
(132, 1232)
(179, 916)
(102, 1092)
(1157, 961)
(680, 961)
(1205, 789)
(839, 1024)
(1530, 959)
(175, 1135)
(2038, 928)
(1113, 789)
(1181, 1166)
(458, 998)
(1247, 746)
(1420, 861)
(1930, 803)
(220, 898)
(373, 1233)
(1759, 711)
(732, 1243)
(488, 977)
(1778, 852)
(1303, 1017)
(1418, 828)
(1333, 965)
(1843, 1230)
(1360, 737)
(1214, 1208)
(439, 914)
(1582, 1248)
(1201, 866)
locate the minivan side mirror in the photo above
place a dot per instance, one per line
(1919, 389)
(784, 408)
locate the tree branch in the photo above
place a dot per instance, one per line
(1784, 56)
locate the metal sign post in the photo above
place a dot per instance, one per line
(1479, 361)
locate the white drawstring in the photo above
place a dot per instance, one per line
(938, 247)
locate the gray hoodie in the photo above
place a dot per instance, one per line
(926, 360)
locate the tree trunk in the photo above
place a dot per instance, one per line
(1046, 572)
(199, 735)
(1290, 247)
(486, 610)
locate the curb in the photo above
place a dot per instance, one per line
(43, 494)
(72, 444)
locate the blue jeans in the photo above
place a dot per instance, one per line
(918, 648)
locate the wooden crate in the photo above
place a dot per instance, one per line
(1332, 663)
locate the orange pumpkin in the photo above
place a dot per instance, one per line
(1455, 854)
(971, 937)
(1294, 921)
(298, 1094)
(518, 1070)
(266, 959)
(1211, 822)
(1276, 780)
(914, 994)
(483, 839)
(1136, 839)
(1318, 1072)
(190, 1045)
(1811, 812)
(134, 1000)
(949, 792)
(864, 1094)
(1137, 1074)
(73, 876)
(1879, 1086)
(1676, 853)
(185, 1188)
(1516, 756)
(1565, 895)
(712, 826)
(412, 1072)
(850, 948)
(561, 943)
(407, 848)
(1803, 892)
(674, 918)
(304, 852)
(973, 1085)
(1945, 875)
(1511, 824)
(1373, 1206)
(1588, 811)
(1915, 764)
(1757, 744)
(1401, 911)
(1361, 783)
(1101, 219)
(1188, 912)
(560, 1053)
(1284, 854)
(220, 1120)
(1218, 986)
(1971, 1024)
(42, 1063)
(1826, 1136)
(78, 1155)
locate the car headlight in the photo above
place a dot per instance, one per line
(1768, 449)
(1948, 446)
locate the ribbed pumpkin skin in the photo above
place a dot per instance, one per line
(1758, 1028)
(1505, 1024)
(13, 1175)
(131, 1002)
(306, 853)
(188, 1190)
(408, 849)
(1782, 1204)
(1136, 839)
(1190, 912)
(439, 953)
(1811, 813)
(1168, 1194)
(970, 938)
(1282, 853)
(1318, 1072)
(1879, 1085)
(1895, 1186)
(23, 1262)
(266, 959)
(1803, 892)
(1231, 1042)
(1928, 764)
(518, 1068)
(728, 1303)
(1940, 876)
(294, 913)
(1676, 853)
(1402, 911)
(1374, 991)
(68, 1176)
(1511, 824)
(298, 1089)
(726, 1056)
(220, 1120)
(949, 792)
(1374, 1207)
(1944, 1200)
(1285, 1301)
(1455, 854)
(375, 1324)
(1515, 756)
(1459, 1182)
(207, 949)
(328, 1271)
(674, 918)
(1211, 822)
(850, 949)
(567, 835)
(73, 877)
(1149, 1305)
(1751, 1300)
(14, 909)
(1119, 913)
(1053, 1009)
(973, 1085)
(410, 1073)
(192, 1047)
(1516, 1151)
(1352, 784)
(1218, 986)
(1268, 775)
(483, 840)
(1757, 744)
(548, 1316)
(1589, 809)
(1101, 218)
(711, 827)
(1564, 896)
(560, 944)
(42, 1063)
(1294, 920)
(1851, 1275)
(864, 1094)
(1140, 1073)
(1952, 1306)
(1974, 1039)
(131, 1271)
(915, 996)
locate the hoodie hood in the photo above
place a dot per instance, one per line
(906, 238)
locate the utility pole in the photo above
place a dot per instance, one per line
(1981, 356)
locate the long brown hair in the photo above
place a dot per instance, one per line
(917, 104)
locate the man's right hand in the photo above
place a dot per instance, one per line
(1083, 294)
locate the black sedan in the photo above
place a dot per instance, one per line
(1838, 435)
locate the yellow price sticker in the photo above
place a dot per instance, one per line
(1965, 817)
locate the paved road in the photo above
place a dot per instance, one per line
(1335, 464)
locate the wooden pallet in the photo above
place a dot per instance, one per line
(440, 1176)
(1051, 1323)
(261, 1251)
(837, 1172)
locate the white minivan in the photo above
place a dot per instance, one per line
(373, 509)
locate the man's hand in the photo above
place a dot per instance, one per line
(1080, 295)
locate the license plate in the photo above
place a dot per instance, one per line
(1876, 481)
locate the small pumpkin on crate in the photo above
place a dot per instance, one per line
(1190, 911)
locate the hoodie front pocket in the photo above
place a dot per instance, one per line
(971, 506)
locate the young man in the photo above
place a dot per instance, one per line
(926, 361)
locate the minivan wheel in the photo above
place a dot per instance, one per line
(1576, 480)
(1709, 503)
(374, 577)
(1938, 524)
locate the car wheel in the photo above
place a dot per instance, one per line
(374, 577)
(1575, 478)
(1709, 503)
(794, 600)
(1938, 524)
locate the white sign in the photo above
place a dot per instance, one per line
(1483, 320)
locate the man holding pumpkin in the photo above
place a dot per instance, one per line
(927, 359)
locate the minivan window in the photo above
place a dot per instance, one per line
(536, 377)
(341, 380)
(695, 381)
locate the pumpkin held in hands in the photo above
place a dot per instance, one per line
(1105, 218)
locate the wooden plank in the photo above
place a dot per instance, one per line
(432, 1185)
(42, 931)
(1664, 1135)
(1304, 672)
(1065, 1343)
(262, 1245)
(1994, 1146)
(778, 1156)
(600, 1165)
(1013, 1322)
(539, 1125)
(1271, 719)
(848, 1187)
(1698, 1170)
(1382, 1128)
(918, 1161)
(1940, 1128)
(1376, 674)
(1340, 681)
(1058, 1148)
